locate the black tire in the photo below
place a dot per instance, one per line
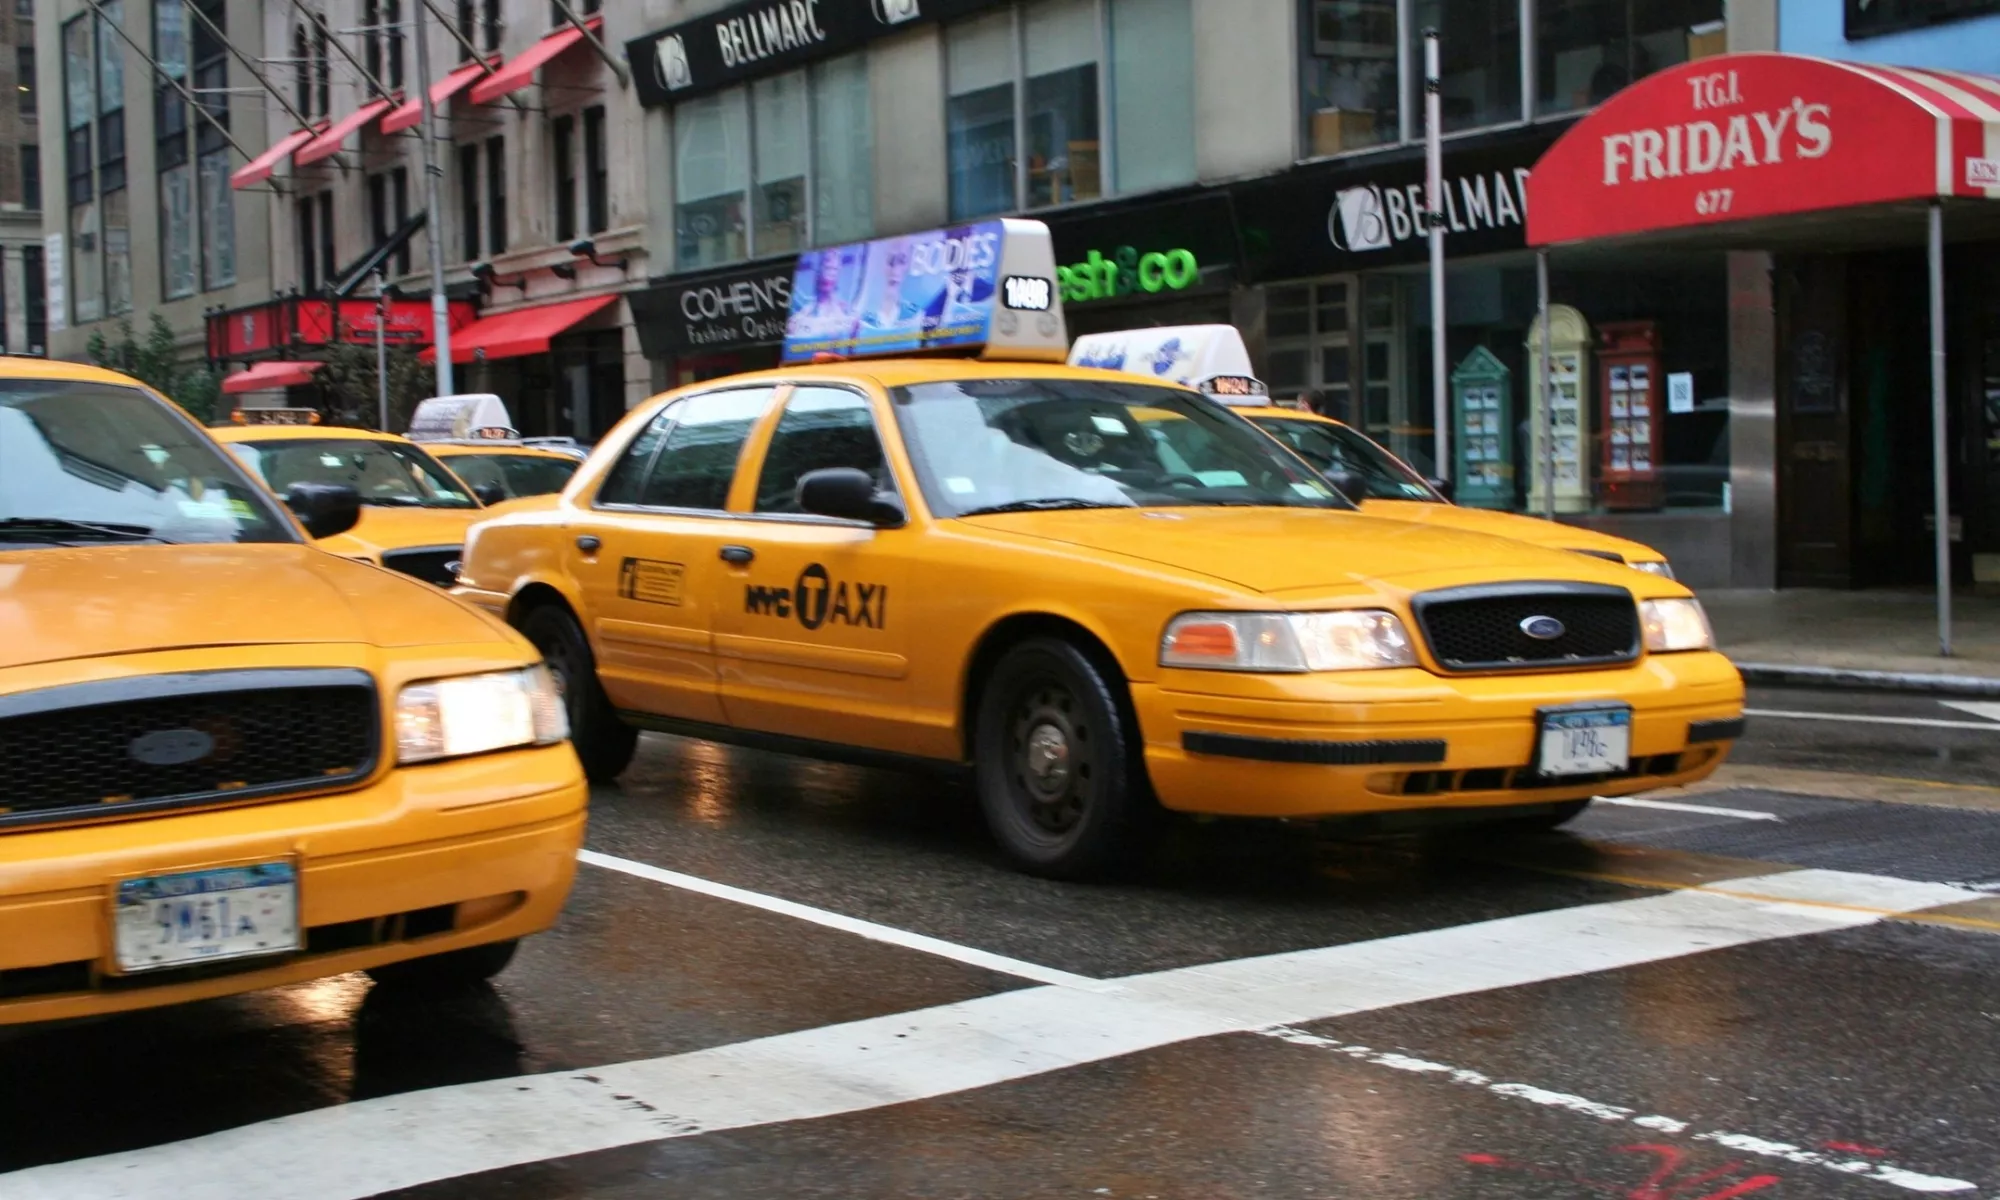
(603, 743)
(1056, 762)
(452, 971)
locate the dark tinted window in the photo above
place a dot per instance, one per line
(623, 485)
(698, 441)
(1336, 447)
(822, 427)
(515, 475)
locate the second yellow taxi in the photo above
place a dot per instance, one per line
(1013, 566)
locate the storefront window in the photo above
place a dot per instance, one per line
(843, 152)
(1587, 49)
(779, 124)
(1479, 52)
(1152, 104)
(1347, 75)
(711, 164)
(1064, 151)
(979, 114)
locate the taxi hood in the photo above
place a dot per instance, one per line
(1277, 550)
(386, 527)
(90, 602)
(1552, 534)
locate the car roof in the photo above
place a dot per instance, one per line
(1293, 414)
(13, 367)
(899, 372)
(293, 433)
(455, 449)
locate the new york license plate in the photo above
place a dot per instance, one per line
(1585, 741)
(206, 916)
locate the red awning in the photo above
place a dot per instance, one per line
(327, 144)
(1741, 136)
(523, 331)
(269, 376)
(258, 169)
(521, 72)
(407, 114)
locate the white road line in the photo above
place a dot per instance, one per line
(1675, 806)
(1978, 708)
(374, 1146)
(1882, 1172)
(854, 925)
(1865, 719)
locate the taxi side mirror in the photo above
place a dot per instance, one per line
(1442, 487)
(489, 493)
(848, 493)
(324, 509)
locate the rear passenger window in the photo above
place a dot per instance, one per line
(630, 474)
(822, 427)
(697, 460)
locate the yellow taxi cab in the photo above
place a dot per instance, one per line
(229, 760)
(1212, 359)
(474, 436)
(414, 511)
(1001, 565)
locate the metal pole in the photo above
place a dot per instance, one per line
(382, 345)
(1434, 203)
(1940, 469)
(1545, 420)
(434, 226)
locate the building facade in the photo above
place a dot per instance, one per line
(23, 313)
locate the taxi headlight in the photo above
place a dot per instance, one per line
(1658, 566)
(472, 714)
(1351, 640)
(1675, 625)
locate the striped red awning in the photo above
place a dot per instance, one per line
(521, 71)
(269, 376)
(521, 332)
(407, 114)
(327, 144)
(258, 169)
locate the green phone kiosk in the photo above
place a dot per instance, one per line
(1482, 391)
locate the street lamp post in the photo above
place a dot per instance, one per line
(1434, 218)
(434, 226)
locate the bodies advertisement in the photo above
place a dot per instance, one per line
(923, 291)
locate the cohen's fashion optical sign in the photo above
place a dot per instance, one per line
(764, 37)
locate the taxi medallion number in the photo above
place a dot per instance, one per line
(206, 916)
(1594, 740)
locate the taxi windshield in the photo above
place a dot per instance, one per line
(93, 463)
(1336, 447)
(386, 473)
(1017, 445)
(514, 474)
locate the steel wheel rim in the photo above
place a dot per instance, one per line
(1050, 759)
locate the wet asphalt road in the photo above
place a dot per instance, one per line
(1816, 1051)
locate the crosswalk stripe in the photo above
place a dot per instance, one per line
(363, 1149)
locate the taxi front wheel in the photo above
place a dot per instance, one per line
(603, 743)
(448, 972)
(1056, 762)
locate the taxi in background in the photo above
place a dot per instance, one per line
(981, 558)
(229, 760)
(415, 511)
(1213, 360)
(474, 436)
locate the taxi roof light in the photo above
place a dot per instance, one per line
(275, 416)
(1212, 359)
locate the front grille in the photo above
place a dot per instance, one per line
(1481, 628)
(122, 746)
(433, 564)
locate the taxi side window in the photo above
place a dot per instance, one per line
(697, 460)
(821, 427)
(626, 478)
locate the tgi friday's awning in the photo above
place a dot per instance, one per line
(1738, 146)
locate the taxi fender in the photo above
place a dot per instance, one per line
(1026, 620)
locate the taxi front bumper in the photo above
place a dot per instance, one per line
(1408, 741)
(420, 861)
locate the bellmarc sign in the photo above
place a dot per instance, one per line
(1742, 136)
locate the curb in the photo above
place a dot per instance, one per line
(1845, 678)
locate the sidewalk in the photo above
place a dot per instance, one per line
(1855, 639)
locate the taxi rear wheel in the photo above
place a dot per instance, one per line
(1056, 764)
(603, 743)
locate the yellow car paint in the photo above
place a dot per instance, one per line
(1439, 511)
(685, 640)
(485, 845)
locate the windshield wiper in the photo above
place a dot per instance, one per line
(61, 528)
(1048, 505)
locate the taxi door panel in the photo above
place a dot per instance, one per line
(648, 555)
(812, 620)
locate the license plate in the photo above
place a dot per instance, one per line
(206, 916)
(1585, 741)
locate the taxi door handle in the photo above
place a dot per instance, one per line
(738, 554)
(589, 544)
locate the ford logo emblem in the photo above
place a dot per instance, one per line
(171, 747)
(1543, 629)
